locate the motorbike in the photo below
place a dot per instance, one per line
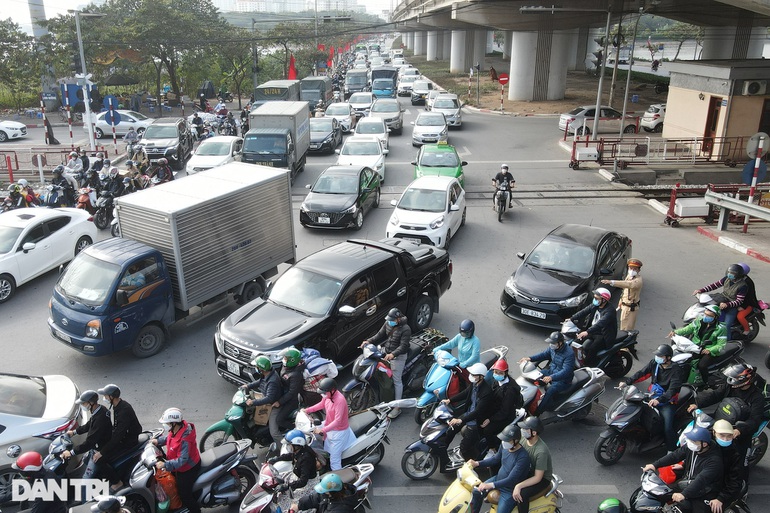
(572, 404)
(85, 200)
(632, 423)
(263, 496)
(654, 495)
(615, 361)
(227, 127)
(755, 318)
(422, 457)
(104, 209)
(114, 226)
(502, 195)
(445, 380)
(458, 496)
(372, 378)
(687, 353)
(56, 196)
(225, 477)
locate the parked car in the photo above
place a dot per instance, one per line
(580, 121)
(430, 211)
(390, 111)
(128, 119)
(340, 198)
(363, 150)
(325, 134)
(439, 159)
(35, 240)
(429, 127)
(449, 105)
(344, 113)
(213, 152)
(375, 127)
(405, 85)
(10, 130)
(361, 102)
(557, 277)
(34, 410)
(420, 90)
(652, 120)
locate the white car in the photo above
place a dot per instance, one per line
(343, 112)
(580, 121)
(35, 240)
(405, 85)
(429, 127)
(213, 152)
(363, 150)
(375, 127)
(430, 211)
(128, 119)
(652, 121)
(12, 130)
(409, 71)
(361, 102)
(449, 105)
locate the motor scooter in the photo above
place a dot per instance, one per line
(502, 195)
(615, 360)
(654, 495)
(445, 380)
(755, 317)
(687, 354)
(104, 209)
(457, 497)
(573, 403)
(56, 196)
(114, 226)
(87, 200)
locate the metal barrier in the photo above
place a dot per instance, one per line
(687, 201)
(727, 204)
(36, 163)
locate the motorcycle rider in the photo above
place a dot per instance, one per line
(182, 456)
(163, 171)
(292, 381)
(30, 465)
(504, 177)
(98, 429)
(220, 106)
(114, 184)
(98, 163)
(734, 290)
(707, 332)
(507, 397)
(702, 470)
(541, 465)
(514, 463)
(73, 183)
(197, 123)
(303, 460)
(665, 382)
(60, 179)
(268, 384)
(750, 302)
(74, 165)
(29, 193)
(604, 325)
(131, 138)
(331, 496)
(629, 299)
(467, 343)
(126, 429)
(336, 428)
(734, 472)
(558, 375)
(204, 103)
(86, 162)
(394, 337)
(480, 401)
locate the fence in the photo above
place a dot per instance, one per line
(29, 163)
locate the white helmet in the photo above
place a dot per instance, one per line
(603, 293)
(171, 415)
(503, 166)
(477, 369)
(23, 182)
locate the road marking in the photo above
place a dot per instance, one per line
(437, 491)
(465, 152)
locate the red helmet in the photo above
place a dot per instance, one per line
(29, 462)
(500, 365)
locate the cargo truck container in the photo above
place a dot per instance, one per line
(279, 136)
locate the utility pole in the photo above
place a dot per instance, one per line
(255, 53)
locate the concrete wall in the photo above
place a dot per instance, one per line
(745, 114)
(685, 114)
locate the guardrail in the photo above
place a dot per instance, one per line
(728, 203)
(36, 163)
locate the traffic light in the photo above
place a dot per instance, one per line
(617, 39)
(76, 65)
(598, 58)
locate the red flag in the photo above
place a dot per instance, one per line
(292, 68)
(331, 52)
(321, 47)
(347, 47)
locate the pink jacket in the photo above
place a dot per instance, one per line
(336, 409)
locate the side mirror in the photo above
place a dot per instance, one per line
(388, 130)
(411, 122)
(393, 202)
(385, 152)
(28, 246)
(121, 297)
(521, 255)
(414, 162)
(347, 311)
(337, 152)
(454, 207)
(605, 272)
(307, 186)
(463, 163)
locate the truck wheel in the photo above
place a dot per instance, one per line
(421, 314)
(251, 290)
(7, 287)
(148, 342)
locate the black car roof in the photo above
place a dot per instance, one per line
(581, 234)
(344, 259)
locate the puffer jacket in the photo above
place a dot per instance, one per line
(562, 366)
(395, 339)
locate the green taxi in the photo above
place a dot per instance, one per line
(439, 159)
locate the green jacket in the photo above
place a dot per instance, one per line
(717, 336)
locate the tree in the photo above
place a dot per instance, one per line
(681, 32)
(236, 60)
(17, 55)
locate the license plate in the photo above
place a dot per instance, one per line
(533, 313)
(61, 336)
(412, 239)
(324, 220)
(429, 140)
(314, 146)
(233, 368)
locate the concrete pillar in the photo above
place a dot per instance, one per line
(447, 44)
(409, 40)
(741, 42)
(419, 42)
(431, 45)
(523, 54)
(457, 52)
(507, 38)
(561, 46)
(479, 48)
(490, 41)
(580, 46)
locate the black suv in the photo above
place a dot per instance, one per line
(332, 300)
(170, 138)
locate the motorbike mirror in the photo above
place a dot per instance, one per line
(673, 326)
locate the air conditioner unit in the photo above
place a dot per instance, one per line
(754, 87)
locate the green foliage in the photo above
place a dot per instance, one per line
(17, 74)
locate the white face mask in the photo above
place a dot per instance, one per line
(473, 379)
(167, 426)
(507, 445)
(526, 433)
(632, 273)
(693, 446)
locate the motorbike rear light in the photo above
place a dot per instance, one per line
(70, 424)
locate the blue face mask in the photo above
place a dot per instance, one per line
(660, 359)
(724, 443)
(730, 276)
(595, 302)
(708, 320)
(498, 377)
(392, 323)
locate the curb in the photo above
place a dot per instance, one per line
(732, 244)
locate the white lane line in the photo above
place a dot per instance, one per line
(390, 491)
(465, 151)
(509, 162)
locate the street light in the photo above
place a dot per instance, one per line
(85, 81)
(255, 52)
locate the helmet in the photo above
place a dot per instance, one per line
(633, 262)
(510, 433)
(108, 504)
(532, 423)
(327, 385)
(171, 415)
(713, 309)
(467, 328)
(477, 369)
(503, 166)
(203, 95)
(394, 314)
(262, 363)
(603, 293)
(698, 434)
(28, 462)
(739, 374)
(73, 154)
(735, 269)
(724, 427)
(746, 268)
(163, 161)
(102, 176)
(100, 155)
(126, 180)
(555, 337)
(110, 390)
(329, 483)
(129, 163)
(292, 357)
(295, 437)
(23, 182)
(113, 172)
(500, 365)
(664, 350)
(89, 396)
(106, 163)
(612, 506)
(58, 170)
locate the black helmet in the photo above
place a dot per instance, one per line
(511, 433)
(531, 423)
(739, 374)
(89, 396)
(664, 350)
(612, 506)
(394, 314)
(108, 504)
(467, 328)
(110, 390)
(327, 385)
(555, 337)
(736, 269)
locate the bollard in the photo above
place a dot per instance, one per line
(10, 169)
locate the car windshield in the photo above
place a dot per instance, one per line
(272, 144)
(338, 110)
(305, 291)
(356, 79)
(160, 132)
(409, 79)
(382, 83)
(8, 236)
(430, 121)
(137, 115)
(24, 396)
(439, 159)
(361, 148)
(563, 256)
(213, 148)
(446, 103)
(421, 84)
(321, 125)
(385, 107)
(336, 184)
(423, 200)
(575, 112)
(367, 127)
(88, 280)
(360, 98)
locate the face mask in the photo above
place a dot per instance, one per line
(85, 409)
(507, 445)
(526, 433)
(499, 377)
(708, 320)
(473, 379)
(554, 346)
(693, 446)
(660, 360)
(167, 426)
(391, 323)
(724, 443)
(595, 302)
(730, 276)
(632, 273)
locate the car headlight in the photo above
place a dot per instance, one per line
(94, 329)
(303, 207)
(574, 301)
(218, 340)
(510, 288)
(393, 220)
(327, 139)
(350, 210)
(437, 223)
